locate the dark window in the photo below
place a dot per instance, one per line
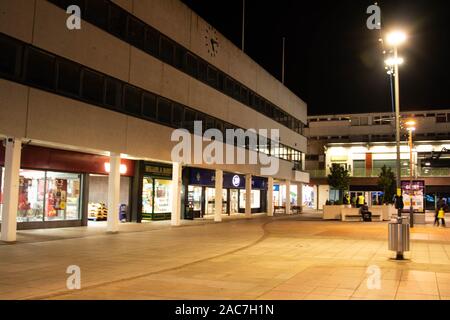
(69, 77)
(244, 95)
(229, 86)
(40, 69)
(117, 21)
(209, 123)
(202, 70)
(167, 49)
(212, 76)
(202, 118)
(237, 91)
(66, 3)
(10, 52)
(220, 126)
(189, 118)
(180, 53)
(149, 105)
(164, 111)
(221, 80)
(191, 65)
(178, 115)
(113, 93)
(269, 110)
(136, 32)
(152, 41)
(96, 12)
(92, 86)
(132, 100)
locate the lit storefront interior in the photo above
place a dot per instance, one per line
(201, 192)
(57, 188)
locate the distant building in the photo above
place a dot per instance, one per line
(363, 143)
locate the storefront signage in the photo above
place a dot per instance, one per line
(259, 183)
(236, 181)
(201, 177)
(157, 170)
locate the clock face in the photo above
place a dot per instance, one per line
(211, 41)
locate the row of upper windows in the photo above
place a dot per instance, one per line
(383, 120)
(117, 21)
(32, 66)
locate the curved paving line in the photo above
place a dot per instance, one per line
(264, 236)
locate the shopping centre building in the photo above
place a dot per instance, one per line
(87, 115)
(364, 143)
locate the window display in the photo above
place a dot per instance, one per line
(47, 196)
(194, 196)
(162, 196)
(255, 199)
(147, 195)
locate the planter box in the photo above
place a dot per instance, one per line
(332, 212)
(387, 211)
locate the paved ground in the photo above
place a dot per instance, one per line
(258, 258)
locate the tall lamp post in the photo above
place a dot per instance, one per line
(397, 231)
(410, 127)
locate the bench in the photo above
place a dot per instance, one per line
(296, 209)
(354, 214)
(279, 209)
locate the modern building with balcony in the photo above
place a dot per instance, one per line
(87, 116)
(364, 143)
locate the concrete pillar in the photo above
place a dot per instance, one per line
(288, 197)
(11, 189)
(300, 195)
(248, 195)
(112, 223)
(219, 196)
(270, 197)
(175, 218)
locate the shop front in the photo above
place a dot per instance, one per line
(54, 186)
(200, 193)
(155, 194)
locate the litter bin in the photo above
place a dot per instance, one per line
(399, 237)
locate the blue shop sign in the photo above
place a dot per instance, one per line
(259, 183)
(202, 177)
(233, 181)
(276, 187)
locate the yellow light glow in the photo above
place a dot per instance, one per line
(394, 61)
(396, 38)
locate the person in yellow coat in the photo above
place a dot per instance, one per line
(441, 217)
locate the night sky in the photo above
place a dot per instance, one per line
(333, 62)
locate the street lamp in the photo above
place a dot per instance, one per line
(395, 39)
(410, 127)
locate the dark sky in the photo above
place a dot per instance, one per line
(333, 61)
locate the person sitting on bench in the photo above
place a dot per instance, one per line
(365, 213)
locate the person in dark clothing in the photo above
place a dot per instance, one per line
(365, 213)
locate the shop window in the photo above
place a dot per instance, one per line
(164, 111)
(113, 93)
(136, 32)
(62, 201)
(191, 65)
(147, 198)
(31, 196)
(212, 76)
(255, 201)
(10, 52)
(92, 86)
(96, 12)
(162, 196)
(149, 105)
(152, 41)
(117, 21)
(40, 68)
(69, 77)
(178, 115)
(132, 100)
(167, 50)
(202, 71)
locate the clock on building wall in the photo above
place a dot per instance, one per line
(211, 41)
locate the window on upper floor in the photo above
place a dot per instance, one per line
(164, 111)
(178, 115)
(202, 71)
(117, 21)
(40, 69)
(113, 93)
(132, 100)
(151, 41)
(149, 105)
(192, 65)
(92, 86)
(68, 77)
(96, 12)
(136, 32)
(167, 50)
(10, 53)
(212, 76)
(180, 54)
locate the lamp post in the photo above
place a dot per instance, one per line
(410, 128)
(395, 39)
